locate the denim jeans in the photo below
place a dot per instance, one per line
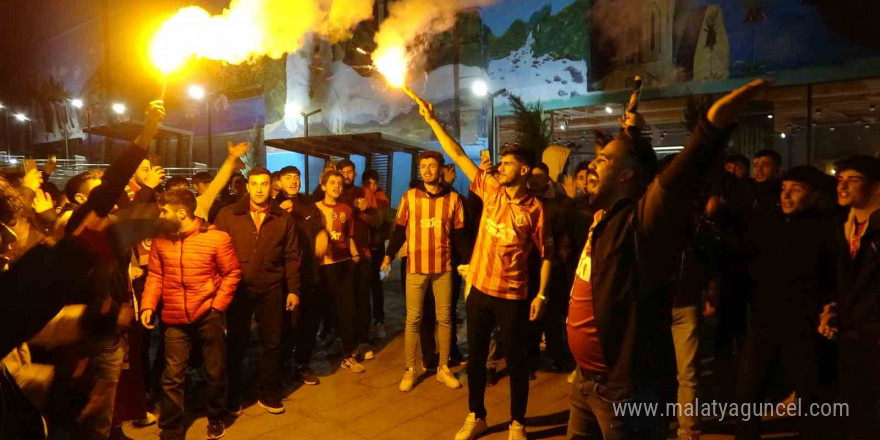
(107, 354)
(686, 337)
(416, 286)
(209, 333)
(592, 415)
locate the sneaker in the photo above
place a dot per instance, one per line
(472, 428)
(491, 377)
(516, 431)
(409, 379)
(446, 377)
(148, 420)
(272, 405)
(381, 332)
(351, 364)
(367, 351)
(307, 376)
(216, 429)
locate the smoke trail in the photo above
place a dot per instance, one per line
(409, 19)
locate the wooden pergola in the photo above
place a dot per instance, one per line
(377, 148)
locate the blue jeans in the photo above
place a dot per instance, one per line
(593, 416)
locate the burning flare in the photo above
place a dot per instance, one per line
(251, 29)
(391, 62)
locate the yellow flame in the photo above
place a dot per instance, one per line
(391, 62)
(250, 29)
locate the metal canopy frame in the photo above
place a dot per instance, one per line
(344, 145)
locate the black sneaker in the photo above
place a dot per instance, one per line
(216, 430)
(491, 377)
(307, 376)
(272, 404)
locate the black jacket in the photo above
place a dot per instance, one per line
(270, 258)
(858, 285)
(307, 221)
(792, 266)
(634, 248)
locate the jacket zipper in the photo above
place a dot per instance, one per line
(185, 302)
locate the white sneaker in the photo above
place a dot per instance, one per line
(367, 351)
(351, 364)
(472, 428)
(516, 431)
(409, 379)
(381, 332)
(446, 377)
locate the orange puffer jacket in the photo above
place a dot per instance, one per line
(192, 274)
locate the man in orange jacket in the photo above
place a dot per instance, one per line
(194, 272)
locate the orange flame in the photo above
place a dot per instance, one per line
(391, 62)
(251, 29)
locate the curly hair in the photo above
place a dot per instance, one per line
(11, 203)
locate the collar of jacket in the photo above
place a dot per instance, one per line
(243, 207)
(444, 190)
(618, 206)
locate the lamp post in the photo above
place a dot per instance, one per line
(481, 89)
(21, 117)
(198, 93)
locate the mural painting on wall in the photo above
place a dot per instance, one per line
(704, 41)
(534, 49)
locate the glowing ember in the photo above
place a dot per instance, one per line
(391, 63)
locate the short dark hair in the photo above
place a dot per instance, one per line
(345, 163)
(76, 183)
(368, 176)
(11, 203)
(869, 166)
(584, 165)
(180, 197)
(202, 177)
(521, 154)
(432, 155)
(290, 169)
(258, 171)
(812, 176)
(449, 167)
(739, 159)
(640, 152)
(543, 167)
(237, 174)
(326, 176)
(773, 155)
(276, 176)
(175, 182)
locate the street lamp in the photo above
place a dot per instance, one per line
(77, 103)
(481, 89)
(198, 93)
(21, 117)
(118, 108)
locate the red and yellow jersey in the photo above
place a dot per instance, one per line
(429, 223)
(508, 230)
(362, 229)
(339, 224)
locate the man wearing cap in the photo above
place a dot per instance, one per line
(854, 316)
(793, 270)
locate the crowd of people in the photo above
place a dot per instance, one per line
(617, 267)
